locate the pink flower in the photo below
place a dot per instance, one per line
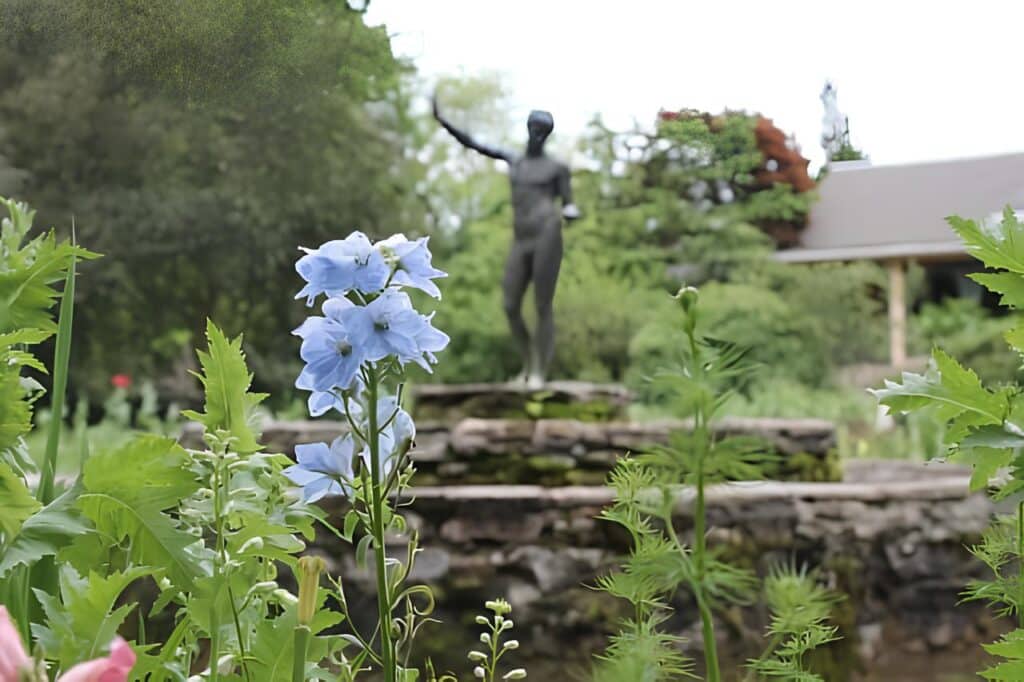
(13, 657)
(113, 668)
(121, 381)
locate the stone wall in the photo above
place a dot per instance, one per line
(895, 546)
(556, 452)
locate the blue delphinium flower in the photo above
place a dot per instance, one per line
(412, 263)
(341, 265)
(323, 470)
(430, 341)
(332, 356)
(322, 402)
(385, 326)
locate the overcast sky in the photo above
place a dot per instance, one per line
(918, 80)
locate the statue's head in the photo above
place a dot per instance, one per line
(539, 125)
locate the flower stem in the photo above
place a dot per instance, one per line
(387, 651)
(299, 660)
(699, 553)
(1020, 564)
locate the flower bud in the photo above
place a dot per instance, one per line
(517, 674)
(477, 656)
(485, 637)
(507, 625)
(479, 672)
(481, 620)
(499, 606)
(687, 297)
(310, 568)
(511, 644)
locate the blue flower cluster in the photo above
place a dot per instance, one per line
(368, 320)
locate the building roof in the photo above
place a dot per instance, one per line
(870, 212)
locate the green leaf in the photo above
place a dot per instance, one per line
(1015, 337)
(984, 463)
(45, 533)
(273, 649)
(1009, 284)
(26, 291)
(1011, 647)
(16, 503)
(952, 388)
(82, 622)
(61, 362)
(126, 493)
(226, 380)
(997, 246)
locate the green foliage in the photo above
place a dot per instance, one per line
(16, 503)
(966, 330)
(697, 382)
(1010, 647)
(984, 430)
(28, 270)
(800, 609)
(131, 503)
(226, 381)
(84, 618)
(45, 533)
(206, 140)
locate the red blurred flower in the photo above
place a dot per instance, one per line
(121, 381)
(668, 115)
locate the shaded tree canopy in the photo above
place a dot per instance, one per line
(196, 144)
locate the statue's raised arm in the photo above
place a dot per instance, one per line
(467, 141)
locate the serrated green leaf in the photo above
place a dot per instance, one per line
(26, 294)
(984, 462)
(951, 387)
(45, 533)
(83, 621)
(1009, 284)
(126, 493)
(226, 380)
(16, 504)
(1015, 337)
(1010, 646)
(998, 246)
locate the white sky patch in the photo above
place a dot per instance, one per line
(918, 80)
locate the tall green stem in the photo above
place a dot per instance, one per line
(387, 647)
(699, 553)
(214, 612)
(301, 648)
(1020, 564)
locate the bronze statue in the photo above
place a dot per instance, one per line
(536, 254)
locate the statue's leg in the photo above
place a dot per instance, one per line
(547, 259)
(518, 269)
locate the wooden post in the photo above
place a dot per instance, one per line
(897, 312)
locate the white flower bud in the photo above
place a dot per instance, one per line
(511, 644)
(477, 656)
(485, 637)
(517, 674)
(479, 672)
(507, 625)
(480, 620)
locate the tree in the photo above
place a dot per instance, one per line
(197, 144)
